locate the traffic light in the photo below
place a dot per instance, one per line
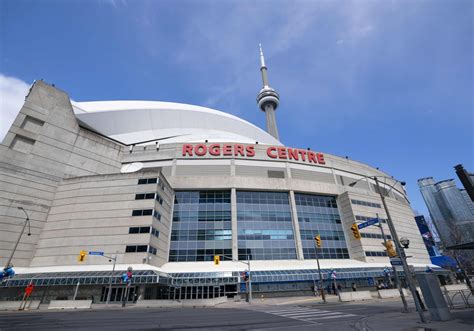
(390, 248)
(217, 259)
(355, 231)
(318, 241)
(82, 256)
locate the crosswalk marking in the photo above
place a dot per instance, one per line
(310, 315)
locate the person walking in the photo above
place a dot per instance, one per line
(354, 287)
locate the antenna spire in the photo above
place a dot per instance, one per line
(262, 59)
(268, 99)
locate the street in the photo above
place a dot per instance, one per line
(362, 316)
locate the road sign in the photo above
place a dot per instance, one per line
(96, 253)
(395, 261)
(370, 222)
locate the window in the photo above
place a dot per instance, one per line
(152, 250)
(265, 227)
(318, 214)
(142, 212)
(366, 203)
(144, 196)
(135, 248)
(147, 181)
(139, 229)
(374, 235)
(201, 226)
(159, 199)
(155, 232)
(157, 215)
(374, 253)
(161, 185)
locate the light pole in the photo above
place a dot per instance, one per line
(27, 220)
(395, 274)
(109, 293)
(400, 251)
(321, 285)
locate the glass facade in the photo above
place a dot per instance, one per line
(265, 229)
(201, 226)
(318, 214)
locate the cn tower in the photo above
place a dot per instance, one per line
(268, 99)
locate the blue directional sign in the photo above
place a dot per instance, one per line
(96, 253)
(370, 222)
(395, 261)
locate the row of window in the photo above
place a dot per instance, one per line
(140, 249)
(366, 203)
(203, 234)
(267, 253)
(271, 198)
(189, 255)
(325, 235)
(142, 181)
(374, 235)
(325, 253)
(147, 212)
(202, 197)
(202, 216)
(375, 253)
(315, 201)
(144, 229)
(149, 196)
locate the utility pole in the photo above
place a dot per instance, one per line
(109, 293)
(250, 280)
(401, 253)
(27, 221)
(397, 280)
(321, 285)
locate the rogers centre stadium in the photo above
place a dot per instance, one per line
(166, 187)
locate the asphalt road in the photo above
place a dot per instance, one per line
(334, 317)
(287, 318)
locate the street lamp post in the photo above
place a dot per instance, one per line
(321, 285)
(400, 250)
(401, 253)
(109, 293)
(395, 273)
(27, 220)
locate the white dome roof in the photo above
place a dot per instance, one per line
(135, 122)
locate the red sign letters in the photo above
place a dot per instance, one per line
(273, 152)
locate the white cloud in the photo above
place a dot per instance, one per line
(12, 97)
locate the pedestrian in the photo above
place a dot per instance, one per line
(354, 287)
(334, 288)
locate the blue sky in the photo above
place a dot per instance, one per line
(387, 83)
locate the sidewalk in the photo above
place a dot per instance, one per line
(463, 320)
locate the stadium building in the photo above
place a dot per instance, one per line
(166, 187)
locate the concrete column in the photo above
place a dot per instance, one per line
(296, 227)
(233, 209)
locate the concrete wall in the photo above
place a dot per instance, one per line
(94, 213)
(44, 145)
